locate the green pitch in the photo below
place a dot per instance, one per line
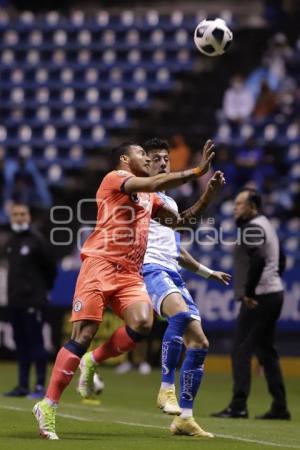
(129, 420)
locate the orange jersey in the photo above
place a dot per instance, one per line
(121, 232)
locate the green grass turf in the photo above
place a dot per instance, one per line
(129, 420)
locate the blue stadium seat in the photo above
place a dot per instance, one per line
(226, 263)
(295, 171)
(132, 37)
(293, 153)
(55, 174)
(291, 244)
(293, 226)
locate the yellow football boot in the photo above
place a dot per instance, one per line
(189, 427)
(167, 401)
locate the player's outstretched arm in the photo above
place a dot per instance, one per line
(213, 186)
(171, 219)
(187, 261)
(164, 181)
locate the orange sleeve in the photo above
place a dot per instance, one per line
(156, 205)
(116, 179)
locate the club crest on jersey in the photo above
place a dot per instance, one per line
(135, 198)
(77, 306)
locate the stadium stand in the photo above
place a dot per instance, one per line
(71, 85)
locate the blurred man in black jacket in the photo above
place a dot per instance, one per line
(31, 274)
(258, 263)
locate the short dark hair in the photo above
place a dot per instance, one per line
(120, 150)
(21, 204)
(156, 144)
(254, 197)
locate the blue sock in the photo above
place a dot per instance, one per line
(190, 376)
(172, 345)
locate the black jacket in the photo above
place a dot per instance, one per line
(31, 271)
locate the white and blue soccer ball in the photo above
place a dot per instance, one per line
(213, 37)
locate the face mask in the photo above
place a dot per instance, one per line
(20, 227)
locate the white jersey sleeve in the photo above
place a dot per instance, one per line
(163, 243)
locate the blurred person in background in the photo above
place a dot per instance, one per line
(266, 103)
(247, 160)
(295, 210)
(31, 274)
(258, 263)
(2, 186)
(238, 101)
(180, 153)
(25, 184)
(137, 359)
(273, 66)
(225, 162)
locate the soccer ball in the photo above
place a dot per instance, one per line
(212, 37)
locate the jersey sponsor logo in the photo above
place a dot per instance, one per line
(77, 306)
(188, 378)
(164, 357)
(24, 250)
(165, 369)
(178, 339)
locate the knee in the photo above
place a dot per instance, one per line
(198, 342)
(85, 338)
(84, 335)
(142, 325)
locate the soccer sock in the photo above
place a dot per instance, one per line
(172, 346)
(66, 363)
(122, 340)
(165, 385)
(186, 412)
(190, 376)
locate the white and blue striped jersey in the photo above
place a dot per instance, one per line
(163, 243)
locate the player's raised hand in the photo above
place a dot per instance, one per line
(207, 156)
(216, 182)
(222, 277)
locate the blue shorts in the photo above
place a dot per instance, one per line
(161, 282)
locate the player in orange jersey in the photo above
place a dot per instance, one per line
(112, 259)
